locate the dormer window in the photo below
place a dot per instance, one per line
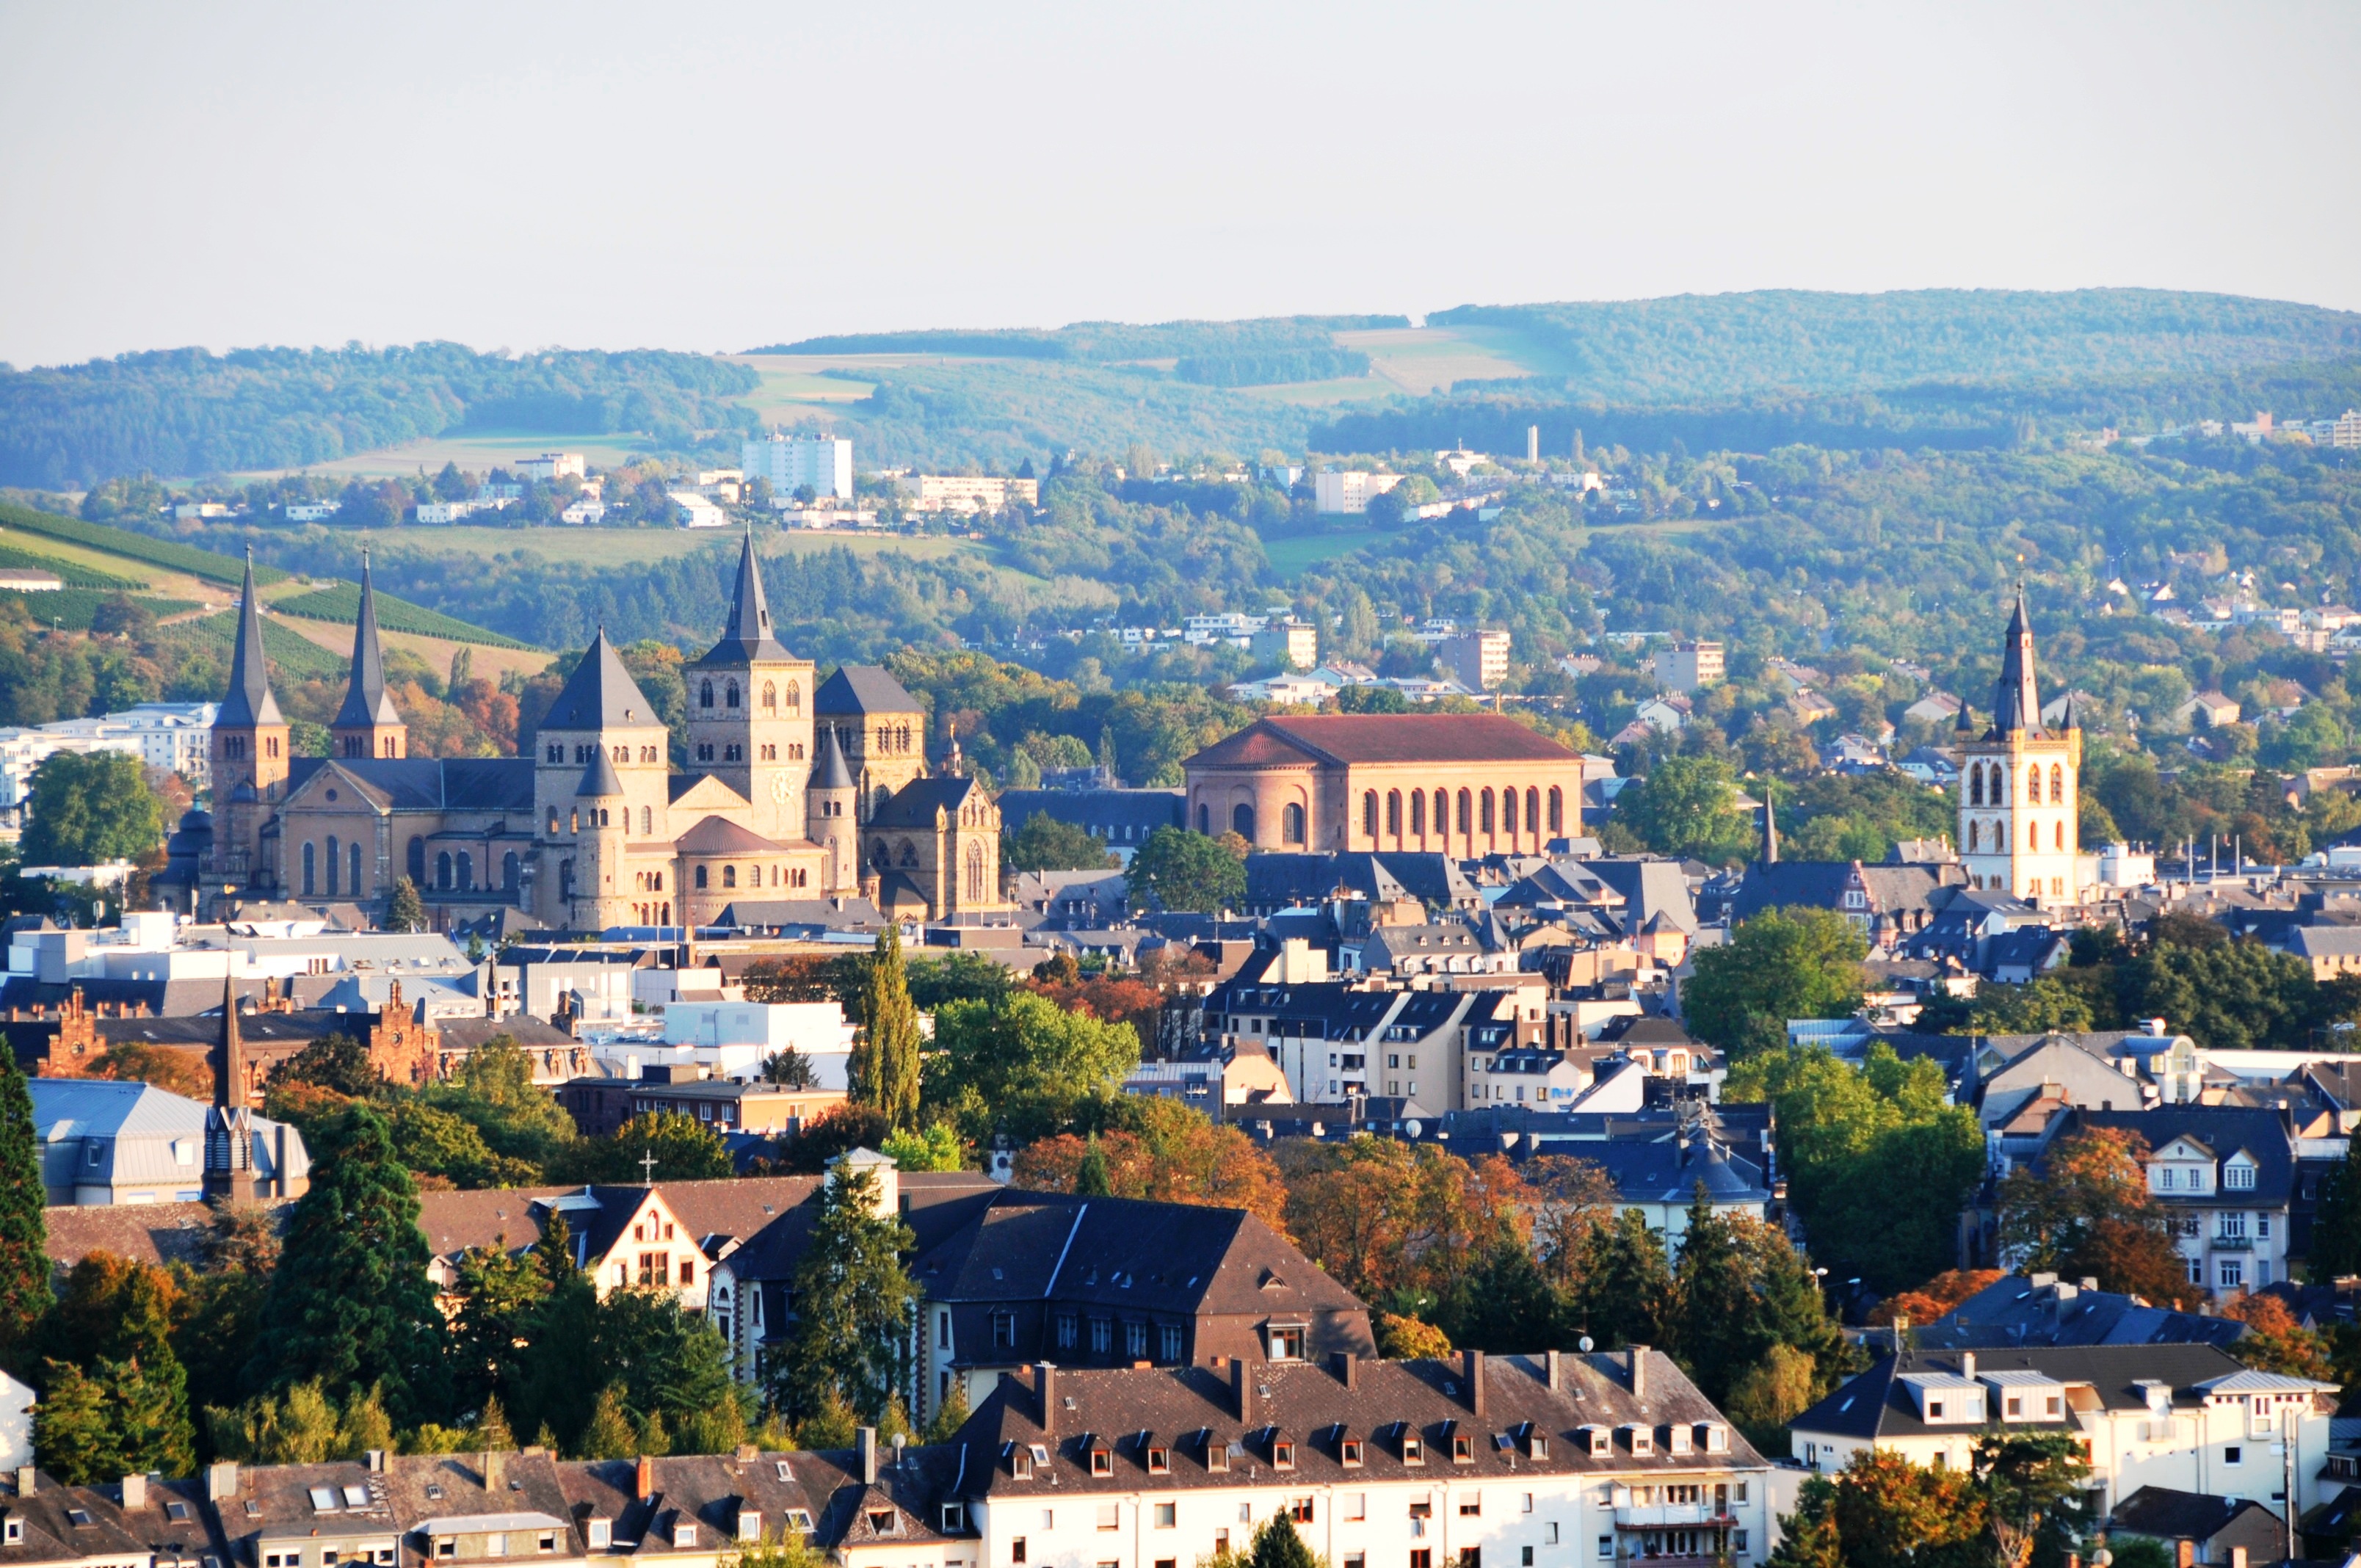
(1934, 1409)
(1642, 1438)
(799, 1521)
(1217, 1453)
(1463, 1448)
(1714, 1436)
(954, 1518)
(13, 1531)
(684, 1536)
(2238, 1178)
(1283, 1456)
(1537, 1446)
(1159, 1460)
(1351, 1451)
(1102, 1459)
(1596, 1442)
(602, 1532)
(1413, 1449)
(881, 1521)
(1020, 1462)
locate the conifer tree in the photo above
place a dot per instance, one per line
(608, 1434)
(2336, 1227)
(554, 1251)
(852, 1302)
(24, 1234)
(73, 1435)
(885, 1062)
(351, 1305)
(405, 911)
(1091, 1178)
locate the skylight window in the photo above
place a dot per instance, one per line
(357, 1497)
(324, 1499)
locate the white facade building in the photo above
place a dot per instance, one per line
(791, 462)
(176, 736)
(550, 467)
(696, 511)
(733, 1039)
(1349, 491)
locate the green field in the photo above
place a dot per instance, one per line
(72, 573)
(1294, 557)
(132, 546)
(342, 604)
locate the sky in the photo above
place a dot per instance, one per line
(717, 176)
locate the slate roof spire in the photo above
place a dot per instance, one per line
(366, 702)
(248, 702)
(748, 635)
(2016, 703)
(829, 770)
(601, 692)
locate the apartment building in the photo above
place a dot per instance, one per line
(965, 492)
(1349, 491)
(1692, 666)
(1290, 644)
(1476, 659)
(2188, 1417)
(1549, 1459)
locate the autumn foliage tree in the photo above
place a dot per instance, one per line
(1932, 1300)
(1882, 1511)
(1163, 1150)
(2274, 1342)
(2086, 1212)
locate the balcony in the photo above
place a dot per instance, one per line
(1673, 1516)
(2233, 1244)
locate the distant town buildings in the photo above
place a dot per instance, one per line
(551, 466)
(173, 736)
(965, 492)
(1340, 494)
(1689, 666)
(1291, 644)
(788, 463)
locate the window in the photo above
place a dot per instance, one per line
(1065, 1331)
(954, 1514)
(1356, 1506)
(1003, 1330)
(2233, 1274)
(1283, 1456)
(1110, 1514)
(1102, 1336)
(1291, 818)
(1527, 1559)
(1528, 1507)
(1369, 813)
(1160, 1462)
(1351, 1454)
(1017, 1550)
(1134, 1341)
(1471, 1504)
(1171, 1342)
(2239, 1178)
(1217, 1454)
(1463, 1448)
(601, 1533)
(2233, 1456)
(1606, 1549)
(1422, 1557)
(1413, 1450)
(1299, 1509)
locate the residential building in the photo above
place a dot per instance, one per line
(2346, 430)
(2207, 710)
(1123, 818)
(788, 463)
(1935, 708)
(29, 580)
(1290, 644)
(2226, 1175)
(2188, 1417)
(697, 511)
(965, 492)
(1477, 660)
(1689, 666)
(2212, 1530)
(1338, 493)
(311, 512)
(2015, 1310)
(1469, 784)
(551, 466)
(108, 1142)
(1549, 1458)
(600, 1105)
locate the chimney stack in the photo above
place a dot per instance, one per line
(1045, 1391)
(1242, 1390)
(496, 1469)
(645, 1482)
(221, 1481)
(1967, 1364)
(135, 1491)
(1347, 1367)
(375, 1459)
(1636, 1357)
(1471, 1368)
(24, 1481)
(2187, 1555)
(866, 1439)
(1556, 1364)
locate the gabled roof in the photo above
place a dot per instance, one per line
(747, 637)
(720, 836)
(2013, 1312)
(600, 694)
(862, 689)
(1875, 1403)
(430, 784)
(915, 804)
(1348, 737)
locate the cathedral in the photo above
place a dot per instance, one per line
(795, 789)
(2018, 784)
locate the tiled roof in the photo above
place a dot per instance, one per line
(861, 689)
(1385, 738)
(599, 694)
(1876, 1404)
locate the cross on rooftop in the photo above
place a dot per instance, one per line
(648, 1166)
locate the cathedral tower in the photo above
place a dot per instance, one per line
(750, 710)
(601, 711)
(2020, 786)
(600, 898)
(368, 724)
(249, 749)
(833, 801)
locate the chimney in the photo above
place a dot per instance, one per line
(1554, 1362)
(1637, 1360)
(866, 1440)
(496, 1469)
(1967, 1364)
(643, 1485)
(1471, 1368)
(2187, 1556)
(2089, 1283)
(221, 1481)
(1242, 1390)
(375, 1459)
(135, 1491)
(1045, 1391)
(1347, 1367)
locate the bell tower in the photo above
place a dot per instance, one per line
(368, 724)
(833, 801)
(2020, 786)
(249, 749)
(750, 710)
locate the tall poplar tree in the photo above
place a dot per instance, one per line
(852, 1303)
(24, 1233)
(350, 1305)
(885, 1063)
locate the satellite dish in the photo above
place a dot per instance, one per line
(1583, 1345)
(1411, 1126)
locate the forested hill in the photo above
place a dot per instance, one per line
(1693, 348)
(1104, 343)
(189, 412)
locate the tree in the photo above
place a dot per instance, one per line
(937, 1148)
(2228, 996)
(404, 910)
(1025, 1066)
(1882, 1511)
(790, 1068)
(84, 810)
(1159, 1148)
(2274, 1342)
(608, 1434)
(2031, 1486)
(336, 1061)
(1402, 1337)
(2087, 1211)
(24, 1229)
(1770, 1393)
(350, 1304)
(1784, 963)
(852, 1303)
(1276, 1545)
(1180, 870)
(1740, 1288)
(136, 1061)
(1688, 806)
(884, 1064)
(1045, 844)
(683, 1149)
(2336, 1227)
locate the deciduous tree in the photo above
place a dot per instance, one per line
(1178, 869)
(24, 1229)
(88, 809)
(1781, 964)
(2086, 1210)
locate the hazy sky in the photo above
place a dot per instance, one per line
(721, 176)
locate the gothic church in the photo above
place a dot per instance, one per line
(796, 789)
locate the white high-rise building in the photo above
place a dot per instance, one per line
(791, 462)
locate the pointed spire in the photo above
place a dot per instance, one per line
(1770, 829)
(601, 692)
(600, 780)
(829, 770)
(248, 702)
(229, 1066)
(2016, 703)
(367, 703)
(748, 635)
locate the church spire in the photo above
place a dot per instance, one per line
(248, 702)
(368, 724)
(748, 636)
(1770, 828)
(2016, 703)
(229, 1125)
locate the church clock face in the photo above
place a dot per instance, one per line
(779, 788)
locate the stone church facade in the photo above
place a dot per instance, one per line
(795, 789)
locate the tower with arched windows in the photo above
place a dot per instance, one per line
(2020, 786)
(750, 711)
(368, 725)
(250, 755)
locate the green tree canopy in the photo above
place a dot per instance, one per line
(1786, 963)
(852, 1302)
(1045, 844)
(1025, 1066)
(86, 810)
(1178, 870)
(24, 1228)
(885, 1066)
(1688, 806)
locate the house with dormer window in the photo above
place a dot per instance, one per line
(2226, 1175)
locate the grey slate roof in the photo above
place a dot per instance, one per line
(431, 784)
(747, 636)
(863, 688)
(2013, 1312)
(248, 700)
(829, 770)
(2166, 1515)
(1876, 1403)
(367, 701)
(598, 780)
(915, 804)
(600, 694)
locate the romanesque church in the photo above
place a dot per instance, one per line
(795, 789)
